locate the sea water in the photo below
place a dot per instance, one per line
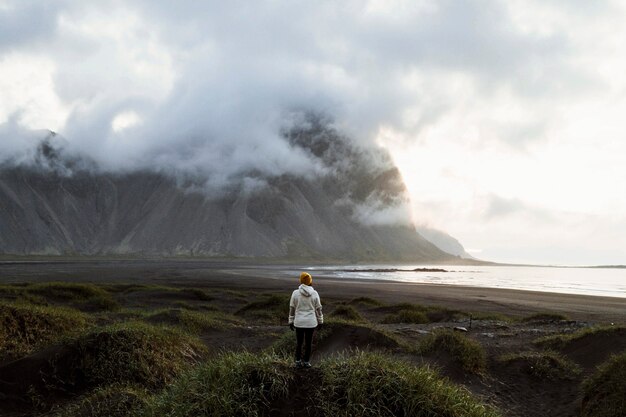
(609, 282)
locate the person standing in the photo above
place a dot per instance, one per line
(305, 315)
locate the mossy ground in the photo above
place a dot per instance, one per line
(148, 350)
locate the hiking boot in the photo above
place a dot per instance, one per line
(306, 364)
(299, 364)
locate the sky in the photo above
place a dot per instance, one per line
(505, 118)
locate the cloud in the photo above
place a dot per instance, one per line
(208, 77)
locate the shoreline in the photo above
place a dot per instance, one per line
(590, 308)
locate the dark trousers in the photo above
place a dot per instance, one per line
(304, 335)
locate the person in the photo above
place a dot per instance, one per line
(305, 315)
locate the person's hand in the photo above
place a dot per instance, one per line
(292, 327)
(319, 326)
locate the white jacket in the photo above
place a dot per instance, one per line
(305, 307)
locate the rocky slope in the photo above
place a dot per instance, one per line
(65, 205)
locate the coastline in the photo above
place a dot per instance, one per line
(223, 274)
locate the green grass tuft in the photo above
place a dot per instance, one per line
(286, 343)
(372, 384)
(559, 341)
(545, 317)
(363, 384)
(269, 308)
(406, 316)
(234, 384)
(367, 301)
(111, 401)
(347, 312)
(194, 321)
(605, 391)
(543, 365)
(468, 353)
(25, 327)
(128, 353)
(82, 295)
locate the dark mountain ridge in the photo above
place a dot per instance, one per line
(65, 205)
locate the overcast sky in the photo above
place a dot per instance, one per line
(506, 118)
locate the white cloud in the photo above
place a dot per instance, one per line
(522, 100)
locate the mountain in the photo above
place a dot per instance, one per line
(63, 204)
(444, 241)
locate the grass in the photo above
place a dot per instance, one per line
(406, 316)
(366, 301)
(285, 345)
(235, 384)
(416, 313)
(111, 401)
(363, 384)
(372, 384)
(130, 353)
(270, 308)
(466, 352)
(559, 341)
(605, 391)
(545, 317)
(194, 321)
(347, 312)
(82, 295)
(26, 327)
(543, 365)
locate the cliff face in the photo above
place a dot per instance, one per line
(59, 205)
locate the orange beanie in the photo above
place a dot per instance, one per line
(306, 278)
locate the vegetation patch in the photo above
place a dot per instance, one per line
(347, 312)
(364, 384)
(560, 341)
(235, 384)
(269, 308)
(545, 317)
(406, 316)
(89, 296)
(25, 327)
(605, 391)
(416, 313)
(466, 352)
(194, 321)
(372, 384)
(339, 335)
(366, 301)
(543, 365)
(111, 401)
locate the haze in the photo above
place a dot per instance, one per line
(505, 118)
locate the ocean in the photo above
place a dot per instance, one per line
(608, 282)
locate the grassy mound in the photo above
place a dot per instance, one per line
(466, 352)
(347, 312)
(560, 341)
(25, 327)
(416, 313)
(605, 390)
(133, 353)
(406, 316)
(542, 365)
(269, 308)
(194, 321)
(366, 301)
(337, 336)
(112, 401)
(365, 385)
(235, 384)
(369, 384)
(545, 317)
(89, 296)
(590, 346)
